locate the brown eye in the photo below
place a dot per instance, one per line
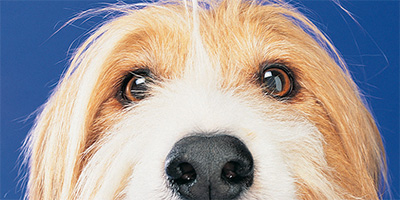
(277, 80)
(135, 86)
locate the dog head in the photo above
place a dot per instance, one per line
(227, 100)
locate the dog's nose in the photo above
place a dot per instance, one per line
(209, 167)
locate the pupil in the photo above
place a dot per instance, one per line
(273, 81)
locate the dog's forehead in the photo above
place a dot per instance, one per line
(235, 43)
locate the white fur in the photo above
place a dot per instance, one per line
(284, 145)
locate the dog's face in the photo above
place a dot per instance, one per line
(227, 101)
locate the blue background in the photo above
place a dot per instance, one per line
(32, 60)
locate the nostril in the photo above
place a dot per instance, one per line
(188, 173)
(236, 172)
(180, 172)
(229, 171)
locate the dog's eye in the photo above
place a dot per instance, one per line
(277, 80)
(135, 85)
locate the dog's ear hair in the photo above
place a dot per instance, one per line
(55, 148)
(353, 144)
(354, 128)
(55, 145)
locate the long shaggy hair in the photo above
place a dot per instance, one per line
(201, 63)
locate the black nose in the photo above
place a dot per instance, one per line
(209, 167)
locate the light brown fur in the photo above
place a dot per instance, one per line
(241, 37)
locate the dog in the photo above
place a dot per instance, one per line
(206, 100)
